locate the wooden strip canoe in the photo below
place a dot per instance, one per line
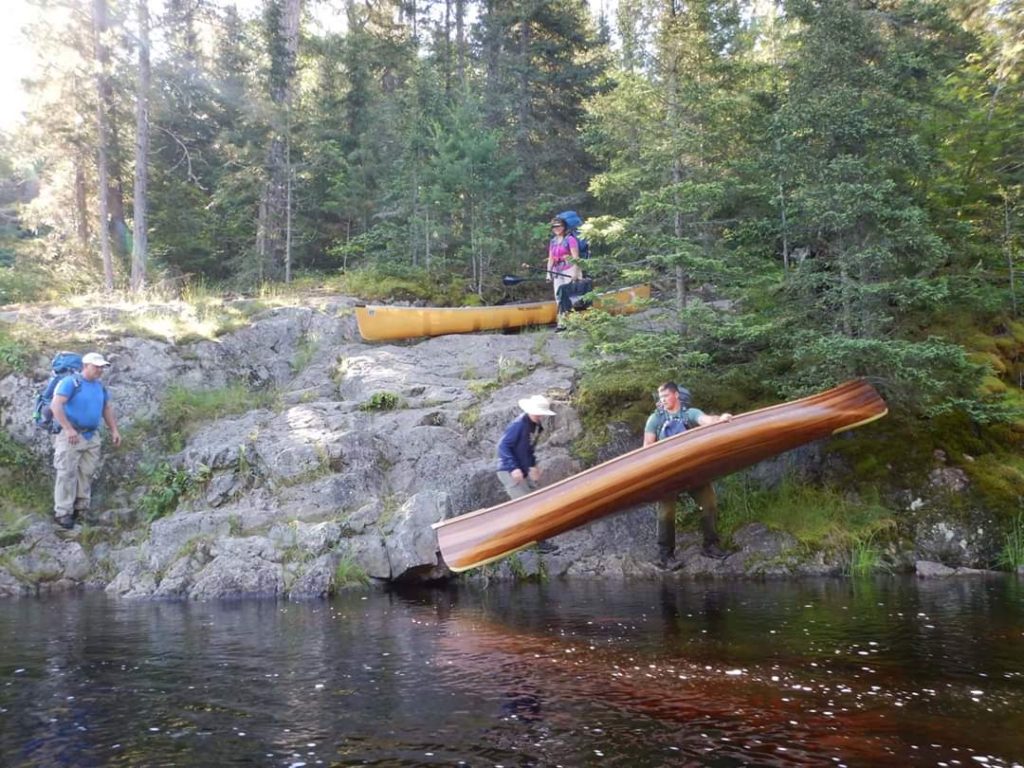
(386, 323)
(669, 466)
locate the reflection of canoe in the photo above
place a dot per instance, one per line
(675, 692)
(383, 323)
(685, 461)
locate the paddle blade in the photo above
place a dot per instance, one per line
(513, 280)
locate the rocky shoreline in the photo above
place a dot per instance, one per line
(337, 485)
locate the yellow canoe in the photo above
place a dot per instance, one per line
(685, 461)
(386, 323)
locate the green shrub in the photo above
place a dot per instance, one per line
(167, 487)
(24, 485)
(382, 401)
(18, 285)
(14, 355)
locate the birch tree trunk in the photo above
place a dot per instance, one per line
(140, 242)
(99, 27)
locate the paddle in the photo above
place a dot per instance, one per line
(513, 280)
(541, 269)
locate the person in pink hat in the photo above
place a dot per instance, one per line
(80, 403)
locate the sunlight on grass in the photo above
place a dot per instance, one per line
(184, 410)
(818, 517)
(173, 329)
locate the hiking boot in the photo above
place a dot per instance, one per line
(546, 547)
(66, 522)
(714, 551)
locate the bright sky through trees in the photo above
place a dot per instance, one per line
(15, 55)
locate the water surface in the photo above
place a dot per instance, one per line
(891, 672)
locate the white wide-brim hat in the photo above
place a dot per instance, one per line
(537, 405)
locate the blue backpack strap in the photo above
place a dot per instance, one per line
(76, 378)
(672, 425)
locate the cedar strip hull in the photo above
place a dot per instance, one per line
(387, 323)
(679, 463)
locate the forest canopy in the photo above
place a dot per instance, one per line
(843, 177)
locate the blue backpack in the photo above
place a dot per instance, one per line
(64, 364)
(672, 425)
(573, 222)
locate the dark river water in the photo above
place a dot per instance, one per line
(891, 672)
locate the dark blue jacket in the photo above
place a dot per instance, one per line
(515, 449)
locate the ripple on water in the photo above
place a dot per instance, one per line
(890, 672)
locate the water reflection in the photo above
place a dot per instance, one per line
(885, 672)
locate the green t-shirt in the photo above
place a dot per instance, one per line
(661, 421)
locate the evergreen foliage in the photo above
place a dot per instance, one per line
(820, 188)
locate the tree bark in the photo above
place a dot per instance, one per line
(99, 26)
(671, 125)
(284, 54)
(460, 43)
(140, 239)
(81, 205)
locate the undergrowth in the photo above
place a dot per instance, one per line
(403, 283)
(167, 486)
(818, 517)
(1011, 556)
(348, 573)
(184, 409)
(25, 488)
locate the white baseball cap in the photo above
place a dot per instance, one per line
(538, 405)
(94, 358)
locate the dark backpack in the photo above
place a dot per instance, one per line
(573, 222)
(572, 297)
(64, 364)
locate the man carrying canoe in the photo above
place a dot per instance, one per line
(672, 417)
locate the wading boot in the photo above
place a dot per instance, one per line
(714, 550)
(667, 559)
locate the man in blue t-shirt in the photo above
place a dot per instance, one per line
(80, 403)
(672, 417)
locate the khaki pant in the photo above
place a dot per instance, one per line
(514, 489)
(708, 503)
(75, 465)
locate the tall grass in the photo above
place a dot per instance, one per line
(1012, 555)
(865, 557)
(819, 517)
(184, 409)
(348, 573)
